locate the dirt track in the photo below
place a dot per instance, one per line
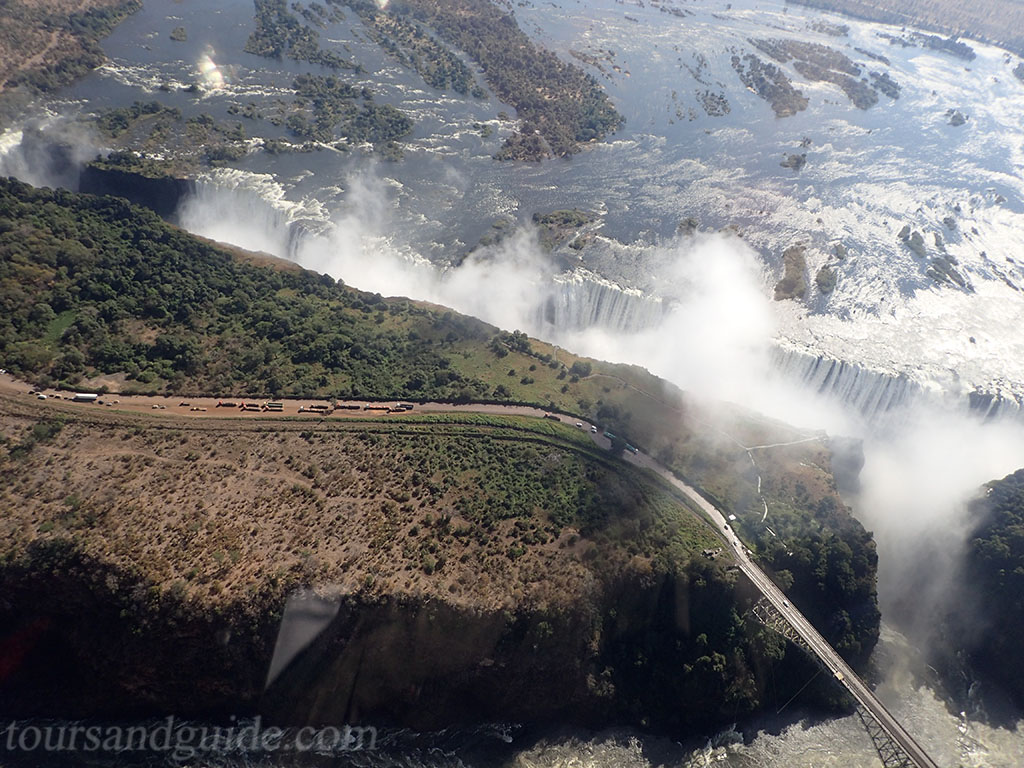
(219, 408)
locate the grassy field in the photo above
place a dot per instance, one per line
(469, 506)
(153, 309)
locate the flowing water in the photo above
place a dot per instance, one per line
(868, 173)
(887, 337)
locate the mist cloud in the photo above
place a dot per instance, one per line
(714, 340)
(47, 152)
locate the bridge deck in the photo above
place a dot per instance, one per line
(896, 747)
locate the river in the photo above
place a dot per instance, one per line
(867, 174)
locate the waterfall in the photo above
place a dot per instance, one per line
(869, 392)
(580, 300)
(250, 210)
(876, 394)
(43, 157)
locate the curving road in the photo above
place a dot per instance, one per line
(826, 654)
(843, 673)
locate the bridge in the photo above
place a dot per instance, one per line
(895, 746)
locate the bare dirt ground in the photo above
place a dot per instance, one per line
(249, 497)
(213, 407)
(25, 43)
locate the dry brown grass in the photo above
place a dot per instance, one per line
(222, 509)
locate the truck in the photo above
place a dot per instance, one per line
(85, 397)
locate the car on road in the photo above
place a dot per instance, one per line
(40, 396)
(579, 425)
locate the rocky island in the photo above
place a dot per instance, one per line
(820, 63)
(149, 557)
(770, 83)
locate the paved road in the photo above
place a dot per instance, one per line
(828, 656)
(817, 643)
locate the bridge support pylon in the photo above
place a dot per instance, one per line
(891, 754)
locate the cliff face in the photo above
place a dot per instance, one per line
(85, 638)
(637, 653)
(161, 194)
(995, 568)
(89, 640)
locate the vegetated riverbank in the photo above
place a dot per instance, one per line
(210, 531)
(995, 570)
(47, 45)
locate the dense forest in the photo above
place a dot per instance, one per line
(96, 289)
(560, 105)
(828, 569)
(95, 286)
(995, 565)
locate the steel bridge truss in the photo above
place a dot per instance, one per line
(891, 753)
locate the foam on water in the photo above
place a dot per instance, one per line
(886, 336)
